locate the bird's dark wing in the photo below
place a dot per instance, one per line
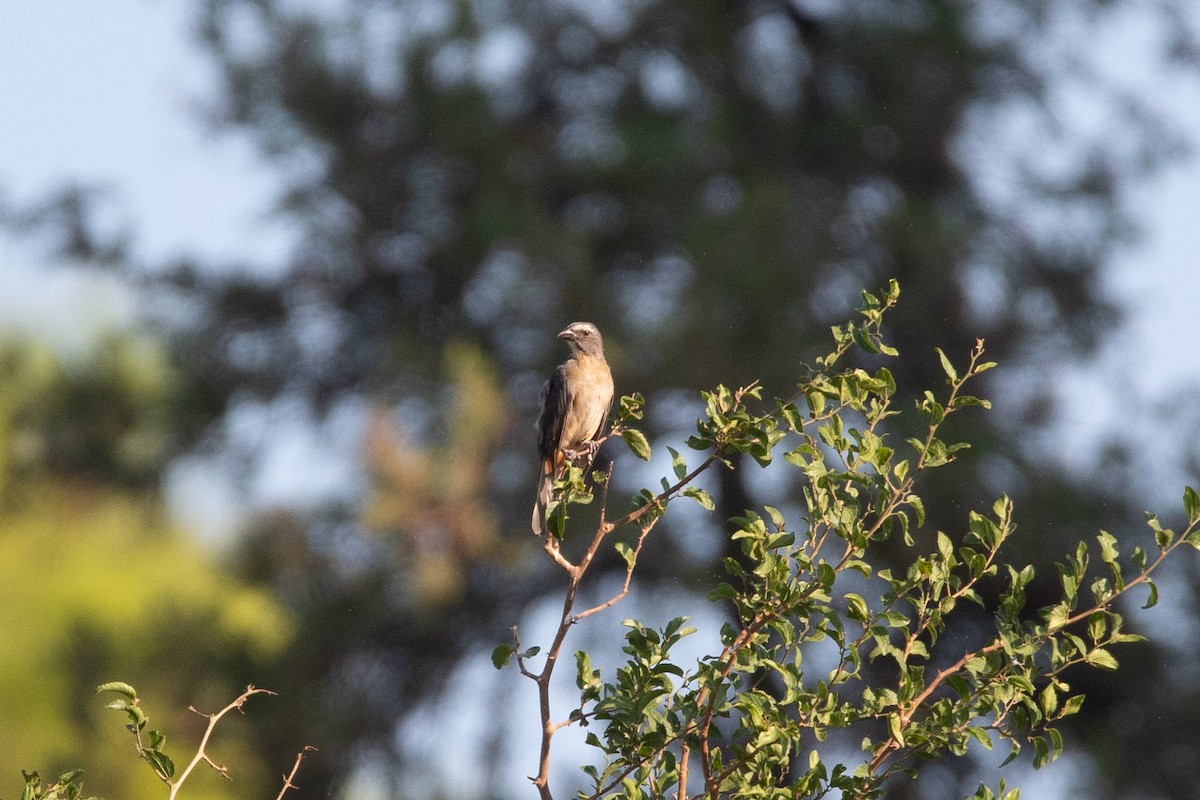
(554, 411)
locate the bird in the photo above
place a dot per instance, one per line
(575, 405)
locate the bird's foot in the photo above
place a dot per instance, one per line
(583, 455)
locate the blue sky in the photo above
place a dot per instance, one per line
(111, 94)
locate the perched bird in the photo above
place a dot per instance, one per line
(575, 405)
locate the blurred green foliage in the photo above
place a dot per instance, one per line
(97, 580)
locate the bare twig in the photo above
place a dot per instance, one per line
(616, 598)
(201, 752)
(287, 780)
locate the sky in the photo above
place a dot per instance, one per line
(114, 95)
(117, 102)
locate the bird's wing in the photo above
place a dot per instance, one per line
(554, 411)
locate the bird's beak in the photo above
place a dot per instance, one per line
(567, 334)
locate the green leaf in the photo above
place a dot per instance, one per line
(675, 626)
(1108, 550)
(964, 400)
(815, 400)
(723, 591)
(894, 729)
(791, 415)
(1041, 753)
(776, 517)
(863, 340)
(1012, 754)
(161, 762)
(918, 505)
(501, 655)
(626, 552)
(1072, 705)
(959, 685)
(856, 607)
(1163, 537)
(631, 406)
(1056, 742)
(1049, 700)
(556, 518)
(700, 496)
(1101, 658)
(137, 717)
(1057, 617)
(1191, 504)
(119, 687)
(678, 465)
(945, 546)
(637, 443)
(947, 367)
(1152, 600)
(981, 736)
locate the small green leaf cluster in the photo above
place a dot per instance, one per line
(149, 748)
(569, 489)
(504, 653)
(634, 732)
(69, 786)
(149, 745)
(728, 425)
(1002, 793)
(629, 409)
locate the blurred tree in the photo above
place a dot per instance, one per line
(711, 183)
(97, 582)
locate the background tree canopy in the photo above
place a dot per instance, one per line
(711, 183)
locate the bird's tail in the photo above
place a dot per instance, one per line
(545, 485)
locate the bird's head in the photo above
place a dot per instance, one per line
(583, 337)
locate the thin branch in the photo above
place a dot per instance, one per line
(612, 601)
(287, 780)
(666, 494)
(213, 719)
(551, 546)
(575, 573)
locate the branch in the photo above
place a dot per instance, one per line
(612, 601)
(575, 573)
(287, 780)
(906, 714)
(666, 494)
(201, 753)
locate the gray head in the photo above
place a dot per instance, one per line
(583, 337)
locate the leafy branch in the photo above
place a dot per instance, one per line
(750, 716)
(149, 745)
